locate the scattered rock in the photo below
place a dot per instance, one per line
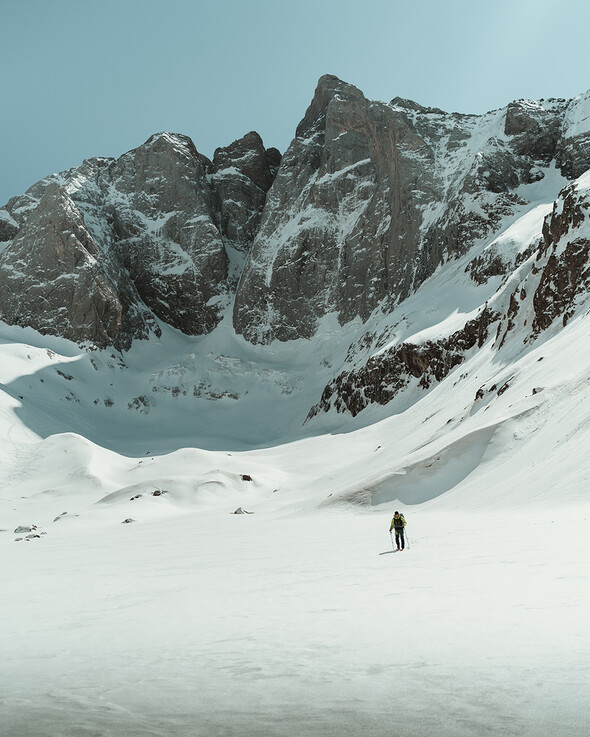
(241, 510)
(127, 521)
(245, 477)
(25, 528)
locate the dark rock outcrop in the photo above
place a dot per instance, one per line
(535, 129)
(243, 174)
(54, 279)
(566, 274)
(95, 253)
(388, 373)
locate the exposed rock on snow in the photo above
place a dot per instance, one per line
(566, 242)
(64, 515)
(386, 374)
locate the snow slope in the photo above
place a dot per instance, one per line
(140, 605)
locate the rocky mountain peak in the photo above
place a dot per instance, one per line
(249, 157)
(369, 200)
(329, 88)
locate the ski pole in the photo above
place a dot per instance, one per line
(407, 540)
(391, 536)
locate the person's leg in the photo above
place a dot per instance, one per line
(401, 534)
(397, 539)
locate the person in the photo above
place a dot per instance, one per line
(398, 523)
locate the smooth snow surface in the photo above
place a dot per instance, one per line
(209, 623)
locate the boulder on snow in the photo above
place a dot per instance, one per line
(25, 528)
(241, 510)
(127, 521)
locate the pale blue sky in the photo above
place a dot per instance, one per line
(82, 78)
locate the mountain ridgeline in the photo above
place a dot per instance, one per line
(368, 201)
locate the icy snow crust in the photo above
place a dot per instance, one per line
(139, 604)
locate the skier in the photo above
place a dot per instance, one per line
(398, 523)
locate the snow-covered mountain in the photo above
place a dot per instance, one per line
(387, 247)
(392, 314)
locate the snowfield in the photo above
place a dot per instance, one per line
(299, 618)
(274, 623)
(135, 603)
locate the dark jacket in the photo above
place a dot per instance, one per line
(398, 522)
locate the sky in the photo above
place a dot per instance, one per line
(83, 79)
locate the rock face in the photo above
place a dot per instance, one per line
(382, 377)
(54, 280)
(566, 248)
(243, 174)
(163, 229)
(368, 201)
(330, 239)
(371, 198)
(95, 253)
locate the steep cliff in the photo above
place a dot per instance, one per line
(372, 197)
(159, 226)
(369, 200)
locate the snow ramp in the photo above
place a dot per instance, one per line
(435, 474)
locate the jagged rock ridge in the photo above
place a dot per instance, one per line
(156, 229)
(546, 286)
(371, 198)
(368, 201)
